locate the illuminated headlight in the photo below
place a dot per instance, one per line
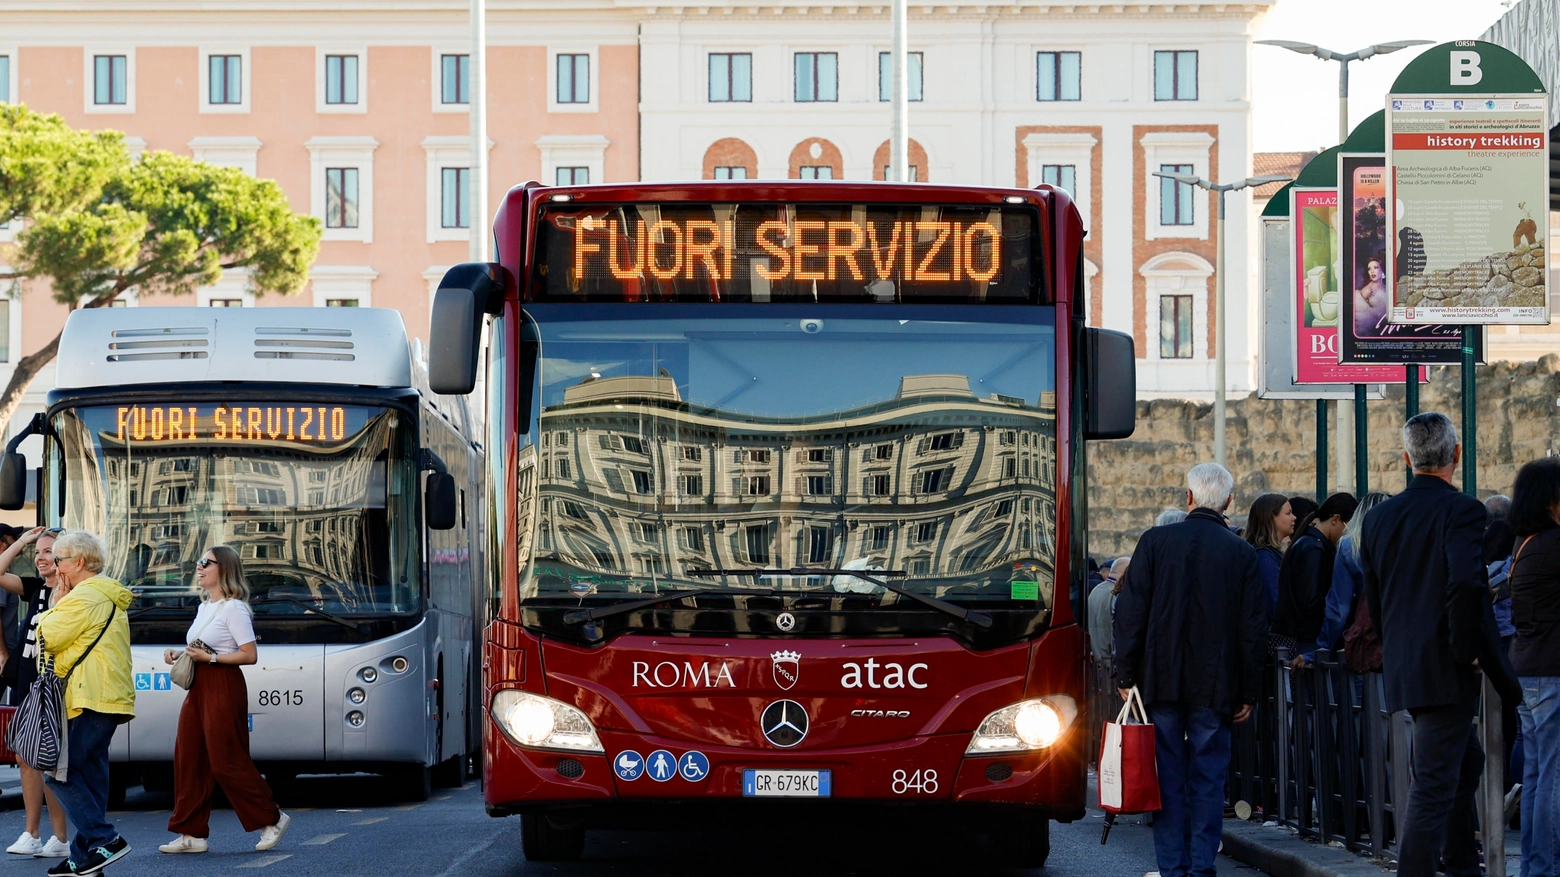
(1025, 726)
(537, 722)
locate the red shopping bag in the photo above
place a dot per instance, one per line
(1129, 779)
(6, 714)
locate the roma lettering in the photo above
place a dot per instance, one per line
(941, 251)
(670, 674)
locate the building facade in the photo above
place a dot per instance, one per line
(360, 112)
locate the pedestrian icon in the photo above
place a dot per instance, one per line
(162, 682)
(628, 766)
(143, 682)
(662, 765)
(694, 766)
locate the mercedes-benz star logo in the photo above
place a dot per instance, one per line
(785, 621)
(784, 723)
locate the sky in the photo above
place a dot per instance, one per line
(1295, 97)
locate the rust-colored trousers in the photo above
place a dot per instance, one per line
(213, 750)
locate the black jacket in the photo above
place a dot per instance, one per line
(1191, 619)
(1422, 556)
(1303, 582)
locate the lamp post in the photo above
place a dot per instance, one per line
(1346, 416)
(1219, 333)
(899, 137)
(479, 251)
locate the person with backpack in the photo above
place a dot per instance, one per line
(88, 635)
(1535, 655)
(212, 747)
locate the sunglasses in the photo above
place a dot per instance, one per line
(53, 531)
(60, 557)
(204, 562)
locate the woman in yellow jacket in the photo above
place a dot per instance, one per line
(89, 627)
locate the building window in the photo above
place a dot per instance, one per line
(341, 79)
(341, 303)
(563, 468)
(573, 176)
(820, 544)
(224, 79)
(110, 80)
(1175, 327)
(1175, 198)
(879, 485)
(1175, 75)
(756, 455)
(573, 79)
(943, 442)
(731, 77)
(226, 303)
(816, 172)
(632, 443)
(817, 78)
(724, 172)
(692, 454)
(820, 455)
(1062, 176)
(643, 483)
(758, 543)
(1009, 467)
(915, 172)
(933, 480)
(757, 485)
(880, 538)
(5, 81)
(820, 485)
(886, 76)
(341, 197)
(690, 485)
(926, 532)
(455, 200)
(455, 79)
(691, 538)
(1058, 76)
(884, 452)
(5, 330)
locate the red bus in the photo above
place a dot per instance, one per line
(787, 502)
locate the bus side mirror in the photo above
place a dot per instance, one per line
(439, 501)
(467, 292)
(13, 481)
(1110, 385)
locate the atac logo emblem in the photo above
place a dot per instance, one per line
(787, 668)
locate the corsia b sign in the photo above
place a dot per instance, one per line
(1468, 189)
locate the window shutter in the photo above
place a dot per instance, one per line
(801, 485)
(605, 441)
(920, 447)
(958, 439)
(866, 486)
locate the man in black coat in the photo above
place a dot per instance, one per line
(1424, 577)
(1189, 631)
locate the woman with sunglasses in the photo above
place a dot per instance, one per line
(212, 747)
(39, 593)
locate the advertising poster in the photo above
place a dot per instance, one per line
(1366, 336)
(1470, 185)
(1318, 304)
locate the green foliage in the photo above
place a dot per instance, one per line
(48, 167)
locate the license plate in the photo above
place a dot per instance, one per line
(785, 783)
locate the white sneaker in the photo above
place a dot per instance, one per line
(54, 849)
(271, 835)
(26, 845)
(185, 844)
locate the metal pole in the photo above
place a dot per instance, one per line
(1321, 449)
(1219, 382)
(1470, 420)
(1348, 430)
(1361, 443)
(1410, 406)
(899, 137)
(479, 250)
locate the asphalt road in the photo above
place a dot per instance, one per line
(342, 827)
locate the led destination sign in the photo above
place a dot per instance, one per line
(780, 252)
(246, 423)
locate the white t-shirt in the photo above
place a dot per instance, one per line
(230, 626)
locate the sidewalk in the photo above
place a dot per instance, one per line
(1280, 852)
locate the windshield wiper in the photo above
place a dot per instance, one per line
(581, 616)
(335, 619)
(975, 617)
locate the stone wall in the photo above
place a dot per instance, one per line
(1272, 445)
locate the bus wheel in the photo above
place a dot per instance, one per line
(414, 782)
(542, 841)
(1023, 839)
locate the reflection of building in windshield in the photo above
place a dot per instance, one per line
(950, 488)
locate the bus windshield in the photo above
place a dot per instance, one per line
(304, 492)
(688, 446)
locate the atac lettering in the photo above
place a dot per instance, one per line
(893, 675)
(797, 250)
(685, 674)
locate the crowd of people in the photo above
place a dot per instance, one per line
(1429, 587)
(70, 619)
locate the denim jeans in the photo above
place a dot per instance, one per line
(1540, 716)
(1192, 752)
(84, 794)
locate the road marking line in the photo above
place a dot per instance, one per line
(266, 860)
(456, 866)
(440, 798)
(408, 806)
(322, 840)
(302, 809)
(371, 821)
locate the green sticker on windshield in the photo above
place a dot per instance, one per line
(1024, 590)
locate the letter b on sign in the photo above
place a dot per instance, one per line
(1465, 68)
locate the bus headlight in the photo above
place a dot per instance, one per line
(1024, 726)
(537, 722)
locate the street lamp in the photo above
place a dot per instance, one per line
(1347, 439)
(1218, 297)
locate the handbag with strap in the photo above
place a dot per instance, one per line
(1129, 775)
(183, 671)
(37, 732)
(1361, 643)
